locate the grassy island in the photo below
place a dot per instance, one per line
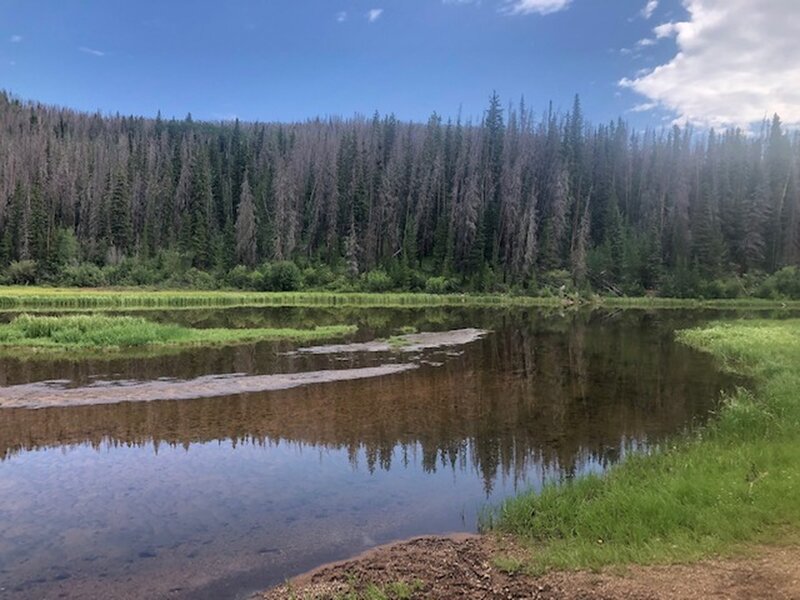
(103, 333)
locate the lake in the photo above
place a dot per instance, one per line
(217, 496)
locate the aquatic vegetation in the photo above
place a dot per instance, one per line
(28, 298)
(110, 333)
(735, 481)
(32, 298)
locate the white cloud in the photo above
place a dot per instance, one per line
(92, 51)
(15, 39)
(736, 63)
(645, 106)
(649, 9)
(644, 42)
(541, 7)
(374, 14)
(665, 30)
(341, 17)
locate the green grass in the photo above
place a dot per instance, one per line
(25, 298)
(69, 333)
(717, 490)
(356, 590)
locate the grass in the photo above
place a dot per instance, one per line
(69, 333)
(27, 298)
(356, 590)
(717, 490)
(24, 298)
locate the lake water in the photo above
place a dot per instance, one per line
(216, 497)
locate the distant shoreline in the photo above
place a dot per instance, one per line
(15, 298)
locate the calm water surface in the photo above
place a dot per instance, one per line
(218, 497)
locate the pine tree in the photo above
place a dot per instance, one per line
(200, 200)
(120, 226)
(246, 226)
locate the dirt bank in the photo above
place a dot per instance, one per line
(467, 568)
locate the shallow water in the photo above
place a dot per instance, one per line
(215, 497)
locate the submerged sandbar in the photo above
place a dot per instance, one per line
(49, 394)
(412, 342)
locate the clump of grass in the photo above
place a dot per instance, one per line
(509, 564)
(109, 333)
(397, 590)
(734, 482)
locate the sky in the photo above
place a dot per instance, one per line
(652, 62)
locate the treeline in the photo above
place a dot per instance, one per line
(516, 202)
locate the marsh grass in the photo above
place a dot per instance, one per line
(732, 483)
(67, 333)
(28, 298)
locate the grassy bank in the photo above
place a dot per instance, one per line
(88, 333)
(736, 481)
(25, 298)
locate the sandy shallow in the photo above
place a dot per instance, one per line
(412, 342)
(47, 394)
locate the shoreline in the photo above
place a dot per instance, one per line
(306, 577)
(481, 566)
(722, 491)
(32, 298)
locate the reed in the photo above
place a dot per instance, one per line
(31, 298)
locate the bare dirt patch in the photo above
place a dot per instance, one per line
(466, 567)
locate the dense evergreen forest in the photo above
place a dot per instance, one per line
(517, 201)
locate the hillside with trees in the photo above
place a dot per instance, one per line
(517, 201)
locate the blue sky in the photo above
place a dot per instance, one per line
(284, 60)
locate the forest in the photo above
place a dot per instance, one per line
(517, 201)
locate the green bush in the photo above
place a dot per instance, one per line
(200, 280)
(727, 288)
(439, 285)
(782, 285)
(555, 283)
(684, 282)
(239, 277)
(284, 276)
(317, 277)
(83, 275)
(22, 272)
(377, 281)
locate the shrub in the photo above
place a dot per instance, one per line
(200, 280)
(83, 275)
(377, 281)
(318, 277)
(240, 277)
(438, 285)
(22, 272)
(555, 283)
(284, 276)
(783, 284)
